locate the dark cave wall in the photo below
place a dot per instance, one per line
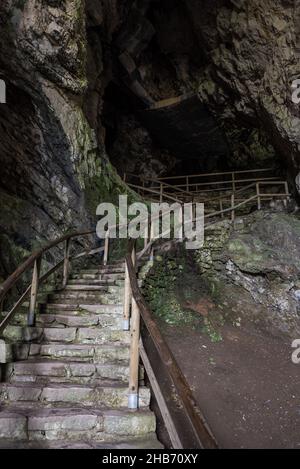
(250, 48)
(59, 57)
(52, 157)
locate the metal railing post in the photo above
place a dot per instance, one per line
(34, 291)
(66, 268)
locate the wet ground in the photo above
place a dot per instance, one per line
(246, 385)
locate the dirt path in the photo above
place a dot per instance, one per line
(246, 385)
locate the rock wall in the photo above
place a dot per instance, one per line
(58, 58)
(254, 270)
(251, 63)
(53, 161)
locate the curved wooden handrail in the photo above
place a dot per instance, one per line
(28, 263)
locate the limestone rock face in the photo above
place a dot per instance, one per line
(252, 62)
(49, 152)
(257, 269)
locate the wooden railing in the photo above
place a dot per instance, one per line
(195, 432)
(198, 187)
(35, 261)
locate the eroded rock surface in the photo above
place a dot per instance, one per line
(255, 269)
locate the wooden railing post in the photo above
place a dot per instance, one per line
(2, 305)
(128, 293)
(151, 239)
(221, 208)
(66, 268)
(146, 234)
(34, 291)
(134, 357)
(233, 182)
(106, 248)
(161, 192)
(287, 194)
(232, 207)
(127, 300)
(258, 196)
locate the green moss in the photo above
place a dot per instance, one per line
(165, 290)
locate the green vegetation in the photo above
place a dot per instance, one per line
(162, 293)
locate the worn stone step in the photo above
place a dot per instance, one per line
(84, 297)
(81, 335)
(145, 442)
(113, 395)
(80, 281)
(70, 352)
(84, 309)
(45, 371)
(109, 321)
(86, 288)
(82, 302)
(76, 295)
(75, 424)
(98, 277)
(105, 270)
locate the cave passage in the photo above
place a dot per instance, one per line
(156, 120)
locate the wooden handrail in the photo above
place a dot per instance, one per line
(14, 277)
(167, 178)
(139, 306)
(152, 191)
(201, 428)
(9, 316)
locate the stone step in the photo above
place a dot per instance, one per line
(85, 296)
(113, 395)
(82, 302)
(98, 277)
(75, 424)
(47, 371)
(86, 288)
(84, 309)
(81, 335)
(105, 270)
(90, 353)
(146, 442)
(80, 281)
(109, 321)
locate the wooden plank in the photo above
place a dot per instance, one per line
(134, 356)
(66, 267)
(34, 291)
(168, 421)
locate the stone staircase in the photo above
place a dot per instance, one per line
(67, 385)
